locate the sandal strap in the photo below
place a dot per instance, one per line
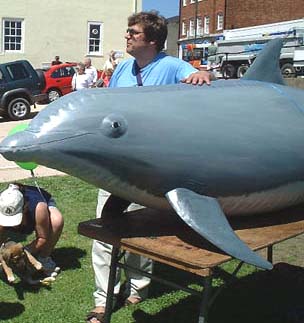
(98, 316)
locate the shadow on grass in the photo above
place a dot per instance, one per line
(175, 275)
(264, 297)
(21, 288)
(10, 310)
(68, 257)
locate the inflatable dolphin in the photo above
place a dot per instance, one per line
(233, 148)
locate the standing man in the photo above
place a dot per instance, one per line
(212, 50)
(56, 61)
(91, 71)
(145, 36)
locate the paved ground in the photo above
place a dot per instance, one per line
(9, 171)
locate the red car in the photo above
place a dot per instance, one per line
(58, 79)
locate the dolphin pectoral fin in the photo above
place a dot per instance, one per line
(204, 215)
(115, 206)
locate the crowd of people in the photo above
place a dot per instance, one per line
(145, 38)
(86, 75)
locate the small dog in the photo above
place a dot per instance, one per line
(16, 259)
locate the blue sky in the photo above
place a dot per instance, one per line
(167, 8)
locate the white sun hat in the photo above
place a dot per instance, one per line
(11, 206)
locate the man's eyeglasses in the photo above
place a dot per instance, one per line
(133, 32)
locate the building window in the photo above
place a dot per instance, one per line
(199, 26)
(184, 3)
(220, 21)
(12, 35)
(192, 1)
(191, 28)
(94, 38)
(184, 28)
(206, 24)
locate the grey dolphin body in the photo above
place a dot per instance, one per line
(235, 147)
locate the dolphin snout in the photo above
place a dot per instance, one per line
(18, 147)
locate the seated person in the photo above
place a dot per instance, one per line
(25, 209)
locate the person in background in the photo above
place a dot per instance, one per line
(145, 38)
(26, 209)
(91, 71)
(81, 80)
(108, 67)
(107, 77)
(56, 61)
(111, 62)
(212, 59)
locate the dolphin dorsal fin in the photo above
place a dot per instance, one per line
(266, 66)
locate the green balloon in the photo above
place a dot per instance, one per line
(24, 165)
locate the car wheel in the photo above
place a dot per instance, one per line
(242, 69)
(18, 109)
(228, 71)
(53, 94)
(288, 70)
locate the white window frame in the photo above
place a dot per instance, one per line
(184, 3)
(191, 27)
(199, 26)
(184, 28)
(11, 20)
(100, 51)
(206, 25)
(192, 1)
(220, 21)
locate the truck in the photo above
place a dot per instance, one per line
(20, 87)
(239, 48)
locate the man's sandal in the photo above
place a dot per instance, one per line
(95, 315)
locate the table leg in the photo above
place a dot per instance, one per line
(111, 284)
(206, 297)
(270, 253)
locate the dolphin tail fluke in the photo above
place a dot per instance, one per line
(205, 216)
(266, 66)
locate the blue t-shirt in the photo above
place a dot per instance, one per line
(32, 196)
(162, 70)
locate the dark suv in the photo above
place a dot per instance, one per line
(20, 87)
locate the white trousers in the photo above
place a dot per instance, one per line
(101, 258)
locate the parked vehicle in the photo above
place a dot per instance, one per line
(20, 87)
(240, 47)
(58, 79)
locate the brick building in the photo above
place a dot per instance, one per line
(246, 13)
(201, 18)
(204, 20)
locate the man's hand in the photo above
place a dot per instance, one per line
(198, 78)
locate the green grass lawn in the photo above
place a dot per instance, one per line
(258, 296)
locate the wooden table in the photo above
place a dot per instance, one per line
(163, 237)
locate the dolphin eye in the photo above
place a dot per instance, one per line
(114, 126)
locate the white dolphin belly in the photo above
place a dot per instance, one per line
(265, 201)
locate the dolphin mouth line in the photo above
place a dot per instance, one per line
(4, 149)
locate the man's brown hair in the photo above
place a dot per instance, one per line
(154, 26)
